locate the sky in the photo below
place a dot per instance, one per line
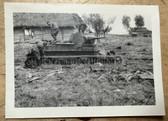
(117, 26)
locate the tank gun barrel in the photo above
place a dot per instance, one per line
(94, 38)
(91, 40)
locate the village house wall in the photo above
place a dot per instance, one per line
(67, 32)
(18, 35)
(63, 34)
(42, 33)
(33, 26)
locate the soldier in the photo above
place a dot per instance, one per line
(54, 30)
(82, 28)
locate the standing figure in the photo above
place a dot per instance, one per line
(82, 28)
(54, 30)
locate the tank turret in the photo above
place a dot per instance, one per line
(91, 40)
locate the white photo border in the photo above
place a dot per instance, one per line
(97, 111)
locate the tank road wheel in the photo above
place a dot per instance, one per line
(108, 61)
(98, 60)
(53, 61)
(118, 60)
(101, 60)
(58, 61)
(62, 62)
(31, 63)
(112, 60)
(93, 60)
(73, 61)
(68, 61)
(90, 60)
(78, 60)
(83, 61)
(49, 61)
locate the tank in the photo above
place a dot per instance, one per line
(80, 49)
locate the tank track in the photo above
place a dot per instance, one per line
(68, 60)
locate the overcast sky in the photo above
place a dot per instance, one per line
(118, 28)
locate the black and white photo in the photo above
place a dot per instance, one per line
(74, 57)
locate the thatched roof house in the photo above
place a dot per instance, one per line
(140, 31)
(36, 24)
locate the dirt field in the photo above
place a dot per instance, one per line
(130, 83)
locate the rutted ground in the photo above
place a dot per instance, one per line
(130, 83)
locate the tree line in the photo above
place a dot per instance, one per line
(139, 22)
(96, 23)
(100, 26)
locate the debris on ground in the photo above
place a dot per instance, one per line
(110, 53)
(130, 83)
(33, 79)
(119, 47)
(129, 44)
(146, 75)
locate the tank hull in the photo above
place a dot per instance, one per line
(82, 59)
(69, 53)
(65, 54)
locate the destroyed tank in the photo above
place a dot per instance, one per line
(78, 50)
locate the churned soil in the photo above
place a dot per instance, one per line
(128, 83)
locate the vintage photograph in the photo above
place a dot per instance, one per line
(71, 59)
(65, 60)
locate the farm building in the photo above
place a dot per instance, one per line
(34, 25)
(140, 31)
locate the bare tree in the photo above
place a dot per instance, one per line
(107, 26)
(86, 19)
(89, 20)
(106, 30)
(98, 24)
(126, 22)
